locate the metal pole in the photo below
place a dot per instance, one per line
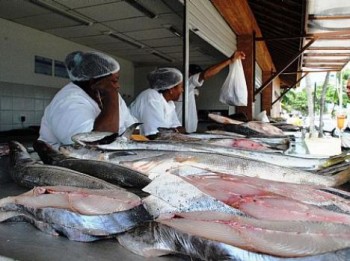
(282, 70)
(185, 65)
(285, 92)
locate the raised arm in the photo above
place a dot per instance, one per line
(106, 95)
(216, 68)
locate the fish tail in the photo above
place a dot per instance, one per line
(341, 178)
(46, 153)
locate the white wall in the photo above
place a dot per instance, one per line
(23, 92)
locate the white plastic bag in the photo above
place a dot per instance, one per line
(234, 90)
(262, 117)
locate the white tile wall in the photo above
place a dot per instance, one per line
(18, 100)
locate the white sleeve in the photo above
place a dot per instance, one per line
(152, 117)
(125, 117)
(72, 116)
(194, 82)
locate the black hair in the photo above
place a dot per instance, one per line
(194, 68)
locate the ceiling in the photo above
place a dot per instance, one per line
(143, 38)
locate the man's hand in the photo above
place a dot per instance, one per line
(237, 55)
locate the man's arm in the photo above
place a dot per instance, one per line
(216, 68)
(106, 95)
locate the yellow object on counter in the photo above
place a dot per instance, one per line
(138, 137)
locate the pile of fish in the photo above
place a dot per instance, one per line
(204, 205)
(122, 144)
(241, 218)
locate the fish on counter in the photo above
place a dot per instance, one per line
(80, 214)
(183, 196)
(159, 164)
(251, 128)
(251, 196)
(281, 143)
(157, 239)
(278, 238)
(113, 173)
(270, 157)
(273, 202)
(27, 172)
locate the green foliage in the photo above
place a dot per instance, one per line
(297, 100)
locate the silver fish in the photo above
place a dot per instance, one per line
(270, 157)
(27, 172)
(155, 239)
(251, 128)
(184, 196)
(277, 238)
(157, 165)
(80, 214)
(113, 173)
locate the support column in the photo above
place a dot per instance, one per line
(245, 43)
(266, 95)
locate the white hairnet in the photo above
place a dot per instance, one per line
(164, 78)
(89, 65)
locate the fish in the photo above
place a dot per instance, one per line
(28, 172)
(113, 173)
(270, 157)
(98, 137)
(251, 128)
(116, 156)
(183, 196)
(159, 164)
(80, 214)
(156, 239)
(241, 143)
(277, 238)
(272, 201)
(182, 190)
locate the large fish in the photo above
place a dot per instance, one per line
(157, 165)
(155, 239)
(27, 172)
(278, 238)
(273, 158)
(80, 214)
(247, 194)
(183, 196)
(251, 128)
(282, 142)
(273, 201)
(113, 173)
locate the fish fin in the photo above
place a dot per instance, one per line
(130, 130)
(46, 153)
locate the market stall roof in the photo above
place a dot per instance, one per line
(304, 36)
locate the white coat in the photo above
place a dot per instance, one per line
(151, 109)
(73, 111)
(192, 120)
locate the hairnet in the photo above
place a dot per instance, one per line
(83, 66)
(164, 78)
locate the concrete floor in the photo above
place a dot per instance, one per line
(22, 241)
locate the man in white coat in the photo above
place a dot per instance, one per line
(90, 102)
(154, 107)
(197, 76)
